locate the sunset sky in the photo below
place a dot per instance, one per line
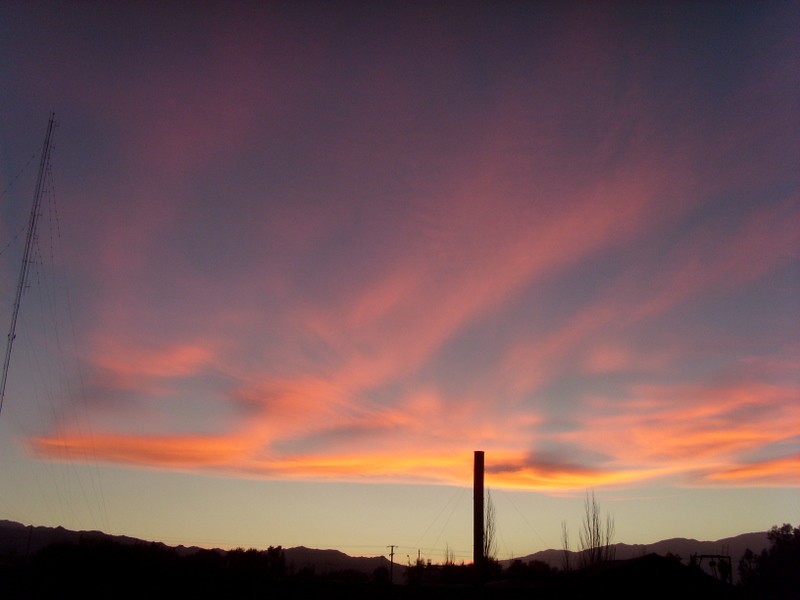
(297, 261)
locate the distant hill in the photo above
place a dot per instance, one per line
(733, 546)
(18, 541)
(327, 561)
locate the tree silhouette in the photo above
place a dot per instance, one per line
(774, 573)
(594, 538)
(489, 530)
(565, 545)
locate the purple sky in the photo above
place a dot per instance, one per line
(326, 250)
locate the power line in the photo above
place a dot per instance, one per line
(14, 179)
(524, 518)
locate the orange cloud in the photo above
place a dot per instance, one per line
(779, 472)
(427, 439)
(683, 429)
(572, 478)
(178, 451)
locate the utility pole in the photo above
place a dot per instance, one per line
(391, 562)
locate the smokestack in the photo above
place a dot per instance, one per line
(477, 510)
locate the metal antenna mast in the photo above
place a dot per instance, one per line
(29, 241)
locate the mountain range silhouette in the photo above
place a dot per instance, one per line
(18, 540)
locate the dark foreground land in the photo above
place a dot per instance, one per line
(103, 567)
(111, 570)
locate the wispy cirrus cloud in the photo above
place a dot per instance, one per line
(318, 423)
(369, 274)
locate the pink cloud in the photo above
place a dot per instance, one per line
(134, 360)
(719, 260)
(384, 335)
(325, 304)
